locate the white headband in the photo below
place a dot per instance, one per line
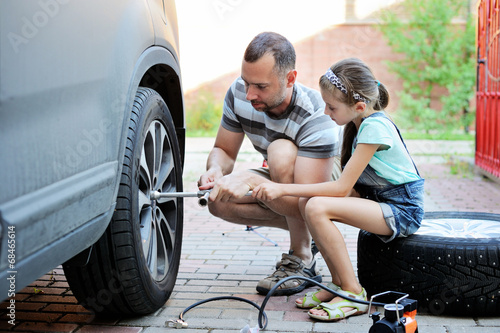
(334, 79)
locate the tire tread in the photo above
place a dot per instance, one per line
(452, 276)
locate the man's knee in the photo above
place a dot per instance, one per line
(281, 156)
(217, 209)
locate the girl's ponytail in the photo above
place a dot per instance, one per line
(383, 97)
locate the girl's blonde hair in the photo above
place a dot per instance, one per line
(359, 81)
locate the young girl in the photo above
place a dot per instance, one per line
(379, 191)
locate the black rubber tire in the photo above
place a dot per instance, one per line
(123, 276)
(446, 275)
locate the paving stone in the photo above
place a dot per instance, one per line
(144, 321)
(184, 330)
(109, 329)
(341, 326)
(46, 327)
(477, 329)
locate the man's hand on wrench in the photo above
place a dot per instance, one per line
(229, 187)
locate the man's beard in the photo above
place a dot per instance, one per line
(271, 105)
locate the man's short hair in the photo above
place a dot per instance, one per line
(276, 45)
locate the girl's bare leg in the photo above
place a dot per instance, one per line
(361, 213)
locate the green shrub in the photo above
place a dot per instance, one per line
(203, 116)
(439, 58)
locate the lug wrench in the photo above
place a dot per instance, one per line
(203, 202)
(201, 195)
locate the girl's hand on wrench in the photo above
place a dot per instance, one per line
(268, 191)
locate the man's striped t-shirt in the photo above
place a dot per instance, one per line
(303, 123)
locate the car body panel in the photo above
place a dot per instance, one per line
(69, 72)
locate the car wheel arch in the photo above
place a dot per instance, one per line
(158, 69)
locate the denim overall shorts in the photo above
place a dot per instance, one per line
(402, 205)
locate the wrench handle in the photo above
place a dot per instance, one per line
(203, 200)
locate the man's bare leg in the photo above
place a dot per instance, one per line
(281, 160)
(282, 213)
(282, 155)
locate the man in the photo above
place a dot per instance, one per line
(285, 122)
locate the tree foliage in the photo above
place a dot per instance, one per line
(436, 39)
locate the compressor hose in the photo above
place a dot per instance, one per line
(262, 319)
(273, 289)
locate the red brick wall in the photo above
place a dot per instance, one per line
(317, 53)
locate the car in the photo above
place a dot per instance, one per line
(91, 123)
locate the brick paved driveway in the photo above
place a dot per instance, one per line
(221, 259)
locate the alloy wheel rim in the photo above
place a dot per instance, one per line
(158, 218)
(460, 228)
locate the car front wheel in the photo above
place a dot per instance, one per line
(132, 269)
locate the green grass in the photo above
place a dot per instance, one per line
(438, 136)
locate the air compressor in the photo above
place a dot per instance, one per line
(399, 316)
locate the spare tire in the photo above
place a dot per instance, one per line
(451, 265)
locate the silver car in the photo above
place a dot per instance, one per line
(91, 122)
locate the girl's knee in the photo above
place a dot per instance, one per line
(314, 208)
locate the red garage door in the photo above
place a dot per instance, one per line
(488, 88)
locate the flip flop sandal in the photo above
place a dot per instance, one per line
(310, 300)
(335, 311)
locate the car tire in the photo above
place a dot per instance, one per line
(450, 266)
(132, 269)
